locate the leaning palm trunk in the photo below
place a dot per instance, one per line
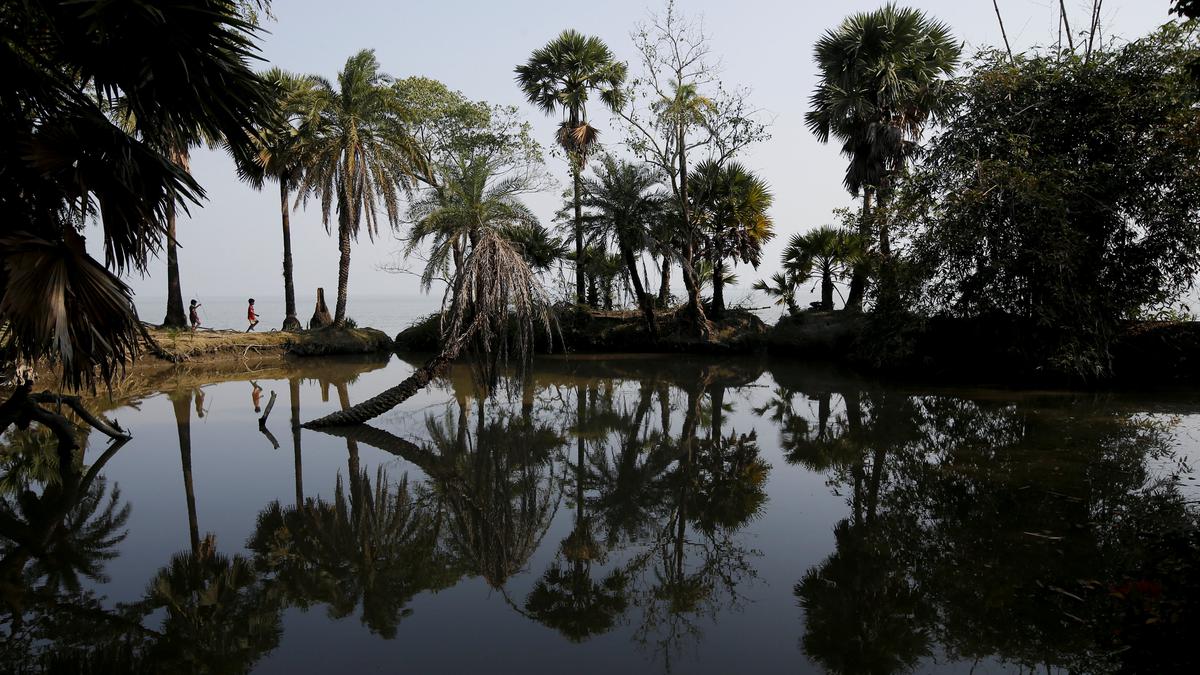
(643, 298)
(497, 306)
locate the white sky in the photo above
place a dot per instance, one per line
(232, 244)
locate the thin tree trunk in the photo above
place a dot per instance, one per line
(644, 301)
(290, 320)
(858, 282)
(176, 317)
(578, 197)
(339, 315)
(695, 308)
(183, 425)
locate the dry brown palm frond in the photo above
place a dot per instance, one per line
(61, 304)
(497, 308)
(577, 139)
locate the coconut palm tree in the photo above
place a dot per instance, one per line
(281, 157)
(360, 156)
(731, 204)
(828, 252)
(561, 77)
(884, 78)
(627, 201)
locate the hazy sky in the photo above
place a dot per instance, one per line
(232, 245)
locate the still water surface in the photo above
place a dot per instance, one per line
(612, 514)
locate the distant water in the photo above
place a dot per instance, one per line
(388, 313)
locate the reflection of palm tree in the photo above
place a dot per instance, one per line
(181, 401)
(862, 612)
(567, 599)
(294, 400)
(378, 553)
(218, 619)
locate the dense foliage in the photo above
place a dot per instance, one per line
(1064, 191)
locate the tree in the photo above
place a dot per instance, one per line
(361, 155)
(781, 287)
(281, 157)
(678, 106)
(732, 207)
(883, 80)
(178, 68)
(828, 252)
(561, 77)
(1023, 211)
(627, 202)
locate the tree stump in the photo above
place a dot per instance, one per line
(321, 316)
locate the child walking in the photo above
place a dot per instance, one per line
(251, 316)
(193, 315)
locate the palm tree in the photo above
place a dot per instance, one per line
(360, 155)
(281, 157)
(781, 287)
(471, 197)
(181, 69)
(732, 204)
(884, 77)
(827, 252)
(561, 77)
(628, 200)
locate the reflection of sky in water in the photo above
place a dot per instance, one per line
(471, 626)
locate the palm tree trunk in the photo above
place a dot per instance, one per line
(339, 316)
(183, 425)
(718, 299)
(578, 196)
(664, 284)
(175, 318)
(858, 282)
(644, 301)
(394, 396)
(290, 321)
(294, 396)
(827, 289)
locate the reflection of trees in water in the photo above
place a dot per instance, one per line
(992, 530)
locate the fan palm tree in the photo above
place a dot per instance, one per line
(732, 205)
(281, 157)
(884, 78)
(827, 252)
(181, 69)
(561, 77)
(782, 288)
(627, 201)
(361, 154)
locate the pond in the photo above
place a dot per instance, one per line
(605, 514)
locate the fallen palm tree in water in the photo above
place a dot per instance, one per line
(496, 307)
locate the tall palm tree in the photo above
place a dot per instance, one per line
(281, 157)
(827, 252)
(884, 78)
(361, 155)
(732, 204)
(562, 76)
(628, 201)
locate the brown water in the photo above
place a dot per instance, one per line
(617, 514)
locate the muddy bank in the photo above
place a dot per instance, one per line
(208, 346)
(619, 332)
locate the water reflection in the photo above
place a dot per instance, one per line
(1030, 531)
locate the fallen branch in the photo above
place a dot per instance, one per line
(110, 429)
(262, 421)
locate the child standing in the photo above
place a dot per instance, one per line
(193, 315)
(251, 316)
